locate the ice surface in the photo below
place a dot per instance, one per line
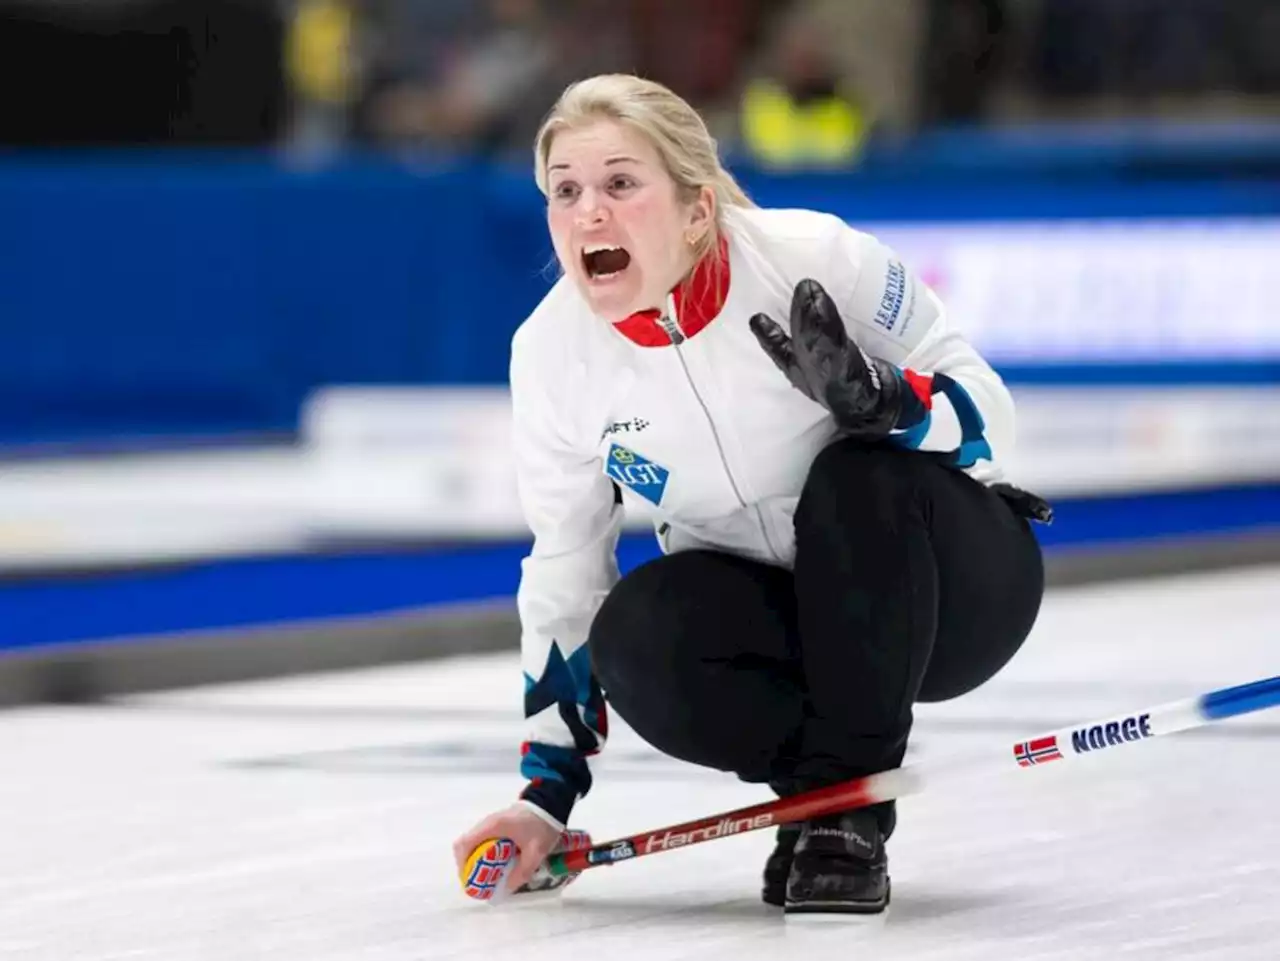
(311, 819)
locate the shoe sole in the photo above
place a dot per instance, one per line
(861, 920)
(835, 910)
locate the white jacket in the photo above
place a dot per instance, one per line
(705, 434)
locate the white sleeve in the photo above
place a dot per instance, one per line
(568, 503)
(965, 409)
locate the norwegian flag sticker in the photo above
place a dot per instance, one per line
(1040, 751)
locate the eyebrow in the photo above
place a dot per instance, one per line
(607, 163)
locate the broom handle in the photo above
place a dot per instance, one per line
(1066, 744)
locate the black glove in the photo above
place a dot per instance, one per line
(863, 394)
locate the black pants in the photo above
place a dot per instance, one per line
(911, 582)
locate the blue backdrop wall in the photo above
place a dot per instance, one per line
(146, 294)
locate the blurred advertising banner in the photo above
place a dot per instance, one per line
(1103, 290)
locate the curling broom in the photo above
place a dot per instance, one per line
(1075, 743)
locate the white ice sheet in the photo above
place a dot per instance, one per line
(311, 819)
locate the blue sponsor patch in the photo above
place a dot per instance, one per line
(895, 288)
(637, 473)
(618, 851)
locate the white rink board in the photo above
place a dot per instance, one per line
(311, 819)
(398, 461)
(421, 463)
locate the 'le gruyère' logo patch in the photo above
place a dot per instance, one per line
(637, 473)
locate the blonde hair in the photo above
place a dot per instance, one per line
(685, 145)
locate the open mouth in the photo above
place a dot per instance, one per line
(602, 262)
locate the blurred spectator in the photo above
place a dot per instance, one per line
(493, 89)
(965, 43)
(1252, 37)
(697, 47)
(320, 56)
(475, 91)
(916, 63)
(1147, 56)
(877, 47)
(583, 37)
(320, 48)
(799, 112)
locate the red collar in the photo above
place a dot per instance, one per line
(696, 303)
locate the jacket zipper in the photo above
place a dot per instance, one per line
(672, 329)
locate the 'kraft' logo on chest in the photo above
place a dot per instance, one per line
(643, 476)
(636, 424)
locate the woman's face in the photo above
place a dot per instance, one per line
(618, 226)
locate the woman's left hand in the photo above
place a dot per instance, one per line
(864, 394)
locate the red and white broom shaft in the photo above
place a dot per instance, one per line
(1066, 744)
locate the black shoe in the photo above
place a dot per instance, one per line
(778, 868)
(839, 867)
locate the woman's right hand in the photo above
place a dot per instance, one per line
(534, 837)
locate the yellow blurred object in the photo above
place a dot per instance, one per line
(782, 132)
(319, 50)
